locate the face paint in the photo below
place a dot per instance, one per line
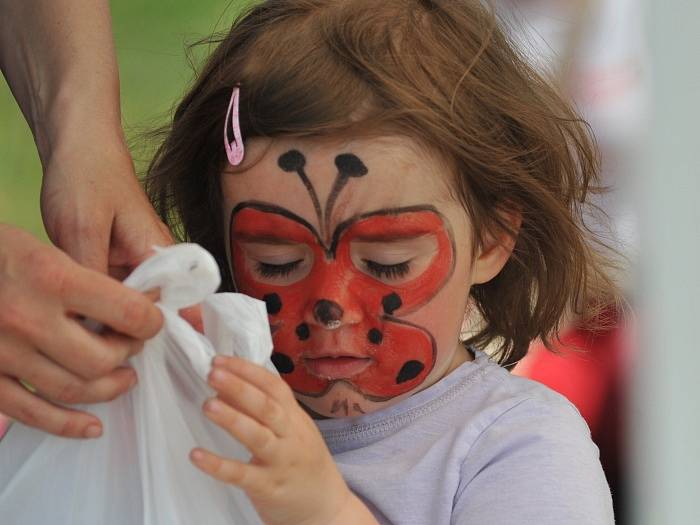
(381, 355)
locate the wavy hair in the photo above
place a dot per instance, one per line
(440, 72)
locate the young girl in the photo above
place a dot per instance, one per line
(404, 171)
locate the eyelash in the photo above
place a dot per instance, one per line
(382, 271)
(387, 271)
(277, 270)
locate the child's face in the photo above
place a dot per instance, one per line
(363, 259)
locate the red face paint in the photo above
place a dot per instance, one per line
(399, 355)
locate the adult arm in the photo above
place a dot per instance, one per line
(59, 60)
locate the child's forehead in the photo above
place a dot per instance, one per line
(396, 172)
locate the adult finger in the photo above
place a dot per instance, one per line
(193, 315)
(58, 384)
(74, 390)
(136, 229)
(85, 353)
(250, 400)
(109, 302)
(258, 439)
(258, 376)
(23, 406)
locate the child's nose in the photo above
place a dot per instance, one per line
(328, 313)
(332, 305)
(331, 314)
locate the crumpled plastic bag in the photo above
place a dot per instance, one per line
(139, 471)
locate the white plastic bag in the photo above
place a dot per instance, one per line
(138, 472)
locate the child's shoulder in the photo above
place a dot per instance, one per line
(486, 412)
(500, 394)
(523, 431)
(518, 411)
(486, 394)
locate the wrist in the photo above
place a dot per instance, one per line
(58, 59)
(79, 114)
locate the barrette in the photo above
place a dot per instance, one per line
(234, 148)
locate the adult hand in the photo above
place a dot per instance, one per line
(59, 61)
(58, 58)
(94, 208)
(43, 296)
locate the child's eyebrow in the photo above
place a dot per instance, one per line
(261, 238)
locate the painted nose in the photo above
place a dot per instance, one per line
(328, 313)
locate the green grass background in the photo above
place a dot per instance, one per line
(151, 40)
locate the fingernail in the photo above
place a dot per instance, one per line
(219, 360)
(93, 431)
(217, 376)
(214, 405)
(197, 455)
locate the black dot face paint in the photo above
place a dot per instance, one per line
(391, 303)
(409, 370)
(336, 294)
(375, 336)
(273, 303)
(282, 362)
(303, 332)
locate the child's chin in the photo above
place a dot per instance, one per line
(343, 400)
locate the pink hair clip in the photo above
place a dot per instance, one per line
(234, 149)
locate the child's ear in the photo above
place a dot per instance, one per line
(496, 249)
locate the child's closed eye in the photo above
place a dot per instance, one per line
(394, 261)
(278, 262)
(270, 271)
(387, 271)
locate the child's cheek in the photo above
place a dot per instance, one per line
(443, 319)
(445, 314)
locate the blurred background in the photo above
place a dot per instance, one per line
(632, 69)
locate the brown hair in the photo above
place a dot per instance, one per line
(440, 72)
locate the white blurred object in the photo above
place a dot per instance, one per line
(139, 472)
(596, 52)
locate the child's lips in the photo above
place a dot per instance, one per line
(337, 367)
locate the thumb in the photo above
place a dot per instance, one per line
(134, 236)
(87, 245)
